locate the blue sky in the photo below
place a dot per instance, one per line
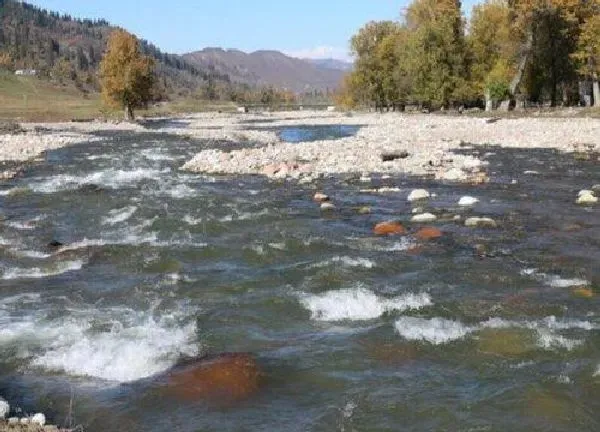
(306, 28)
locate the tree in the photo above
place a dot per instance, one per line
(6, 61)
(126, 76)
(437, 52)
(588, 53)
(492, 49)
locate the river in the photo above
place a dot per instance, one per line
(480, 330)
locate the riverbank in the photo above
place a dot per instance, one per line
(421, 145)
(387, 144)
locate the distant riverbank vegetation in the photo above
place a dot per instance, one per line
(508, 53)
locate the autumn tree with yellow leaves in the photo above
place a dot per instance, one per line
(126, 76)
(541, 51)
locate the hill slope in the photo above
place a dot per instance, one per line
(267, 68)
(63, 48)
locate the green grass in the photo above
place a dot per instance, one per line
(33, 99)
(30, 99)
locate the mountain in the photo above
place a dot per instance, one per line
(267, 68)
(62, 48)
(333, 64)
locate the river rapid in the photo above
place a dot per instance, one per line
(482, 330)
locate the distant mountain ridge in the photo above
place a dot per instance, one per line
(331, 63)
(270, 68)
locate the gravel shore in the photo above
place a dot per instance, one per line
(391, 143)
(424, 142)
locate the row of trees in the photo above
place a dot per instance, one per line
(534, 50)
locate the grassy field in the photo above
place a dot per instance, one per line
(29, 99)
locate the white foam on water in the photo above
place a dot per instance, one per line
(549, 340)
(359, 304)
(130, 238)
(554, 281)
(110, 178)
(157, 155)
(113, 344)
(125, 354)
(436, 331)
(597, 373)
(347, 262)
(40, 273)
(117, 216)
(440, 331)
(180, 191)
(32, 254)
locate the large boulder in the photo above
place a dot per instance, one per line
(226, 377)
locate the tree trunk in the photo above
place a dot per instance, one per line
(129, 116)
(489, 103)
(596, 90)
(516, 82)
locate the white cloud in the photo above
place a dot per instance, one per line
(322, 52)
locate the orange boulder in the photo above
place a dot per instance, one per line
(389, 228)
(428, 233)
(227, 377)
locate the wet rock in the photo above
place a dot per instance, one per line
(55, 244)
(389, 228)
(481, 222)
(320, 197)
(424, 218)
(90, 188)
(418, 194)
(467, 201)
(4, 408)
(428, 233)
(390, 157)
(226, 377)
(327, 206)
(38, 419)
(586, 197)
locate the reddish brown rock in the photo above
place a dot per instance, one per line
(227, 377)
(389, 228)
(428, 233)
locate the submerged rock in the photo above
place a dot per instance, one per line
(419, 194)
(506, 342)
(326, 206)
(428, 233)
(389, 228)
(583, 293)
(226, 377)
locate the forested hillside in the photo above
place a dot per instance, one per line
(543, 52)
(65, 49)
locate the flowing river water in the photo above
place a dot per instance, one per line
(480, 330)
